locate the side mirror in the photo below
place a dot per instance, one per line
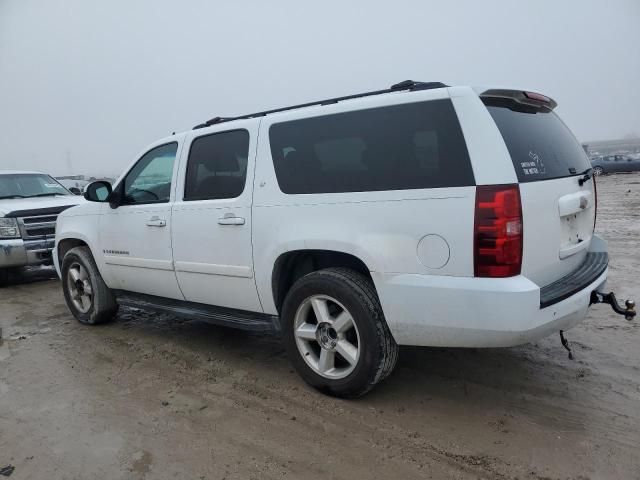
(75, 190)
(98, 191)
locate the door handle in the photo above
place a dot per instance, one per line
(230, 219)
(156, 222)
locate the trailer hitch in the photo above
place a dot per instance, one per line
(629, 310)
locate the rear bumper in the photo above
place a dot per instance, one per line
(428, 310)
(20, 253)
(593, 266)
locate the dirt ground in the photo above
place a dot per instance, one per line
(153, 397)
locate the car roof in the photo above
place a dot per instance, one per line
(402, 88)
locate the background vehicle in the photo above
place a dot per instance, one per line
(75, 186)
(614, 164)
(418, 215)
(29, 205)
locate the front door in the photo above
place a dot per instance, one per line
(135, 237)
(212, 219)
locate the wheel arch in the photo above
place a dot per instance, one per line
(294, 264)
(66, 243)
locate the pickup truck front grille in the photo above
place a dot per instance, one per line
(39, 219)
(37, 227)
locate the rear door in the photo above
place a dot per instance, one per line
(607, 164)
(558, 212)
(620, 164)
(212, 218)
(626, 163)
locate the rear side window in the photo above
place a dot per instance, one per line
(411, 146)
(217, 166)
(540, 144)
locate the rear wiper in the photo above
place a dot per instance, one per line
(11, 196)
(586, 175)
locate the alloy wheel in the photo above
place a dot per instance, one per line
(79, 286)
(327, 336)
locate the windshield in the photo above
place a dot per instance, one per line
(24, 185)
(541, 146)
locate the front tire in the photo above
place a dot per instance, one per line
(86, 294)
(598, 171)
(335, 332)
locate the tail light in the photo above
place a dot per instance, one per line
(595, 194)
(497, 231)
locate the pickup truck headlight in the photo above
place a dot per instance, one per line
(9, 228)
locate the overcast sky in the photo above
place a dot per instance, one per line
(85, 85)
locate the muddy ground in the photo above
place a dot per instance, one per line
(152, 396)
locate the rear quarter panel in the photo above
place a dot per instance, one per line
(383, 229)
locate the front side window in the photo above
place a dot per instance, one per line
(217, 166)
(149, 181)
(400, 147)
(25, 185)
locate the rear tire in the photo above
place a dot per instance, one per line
(86, 294)
(598, 171)
(335, 332)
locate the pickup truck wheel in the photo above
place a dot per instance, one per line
(86, 294)
(335, 332)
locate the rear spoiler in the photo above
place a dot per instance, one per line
(526, 98)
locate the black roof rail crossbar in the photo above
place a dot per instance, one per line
(409, 85)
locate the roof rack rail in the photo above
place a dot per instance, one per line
(408, 85)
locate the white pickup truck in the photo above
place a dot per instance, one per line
(29, 206)
(417, 215)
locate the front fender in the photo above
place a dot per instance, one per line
(83, 228)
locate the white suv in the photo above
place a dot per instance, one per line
(418, 215)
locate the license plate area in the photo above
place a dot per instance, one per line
(576, 222)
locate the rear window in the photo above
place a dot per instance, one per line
(411, 146)
(540, 144)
